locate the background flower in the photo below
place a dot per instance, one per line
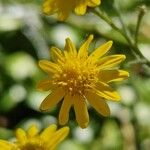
(65, 7)
(47, 140)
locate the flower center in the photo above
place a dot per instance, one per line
(77, 76)
(32, 144)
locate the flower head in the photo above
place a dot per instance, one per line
(77, 77)
(31, 140)
(64, 7)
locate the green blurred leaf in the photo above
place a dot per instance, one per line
(5, 133)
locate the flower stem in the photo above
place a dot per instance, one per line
(135, 50)
(140, 16)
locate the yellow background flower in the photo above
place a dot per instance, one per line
(64, 7)
(76, 77)
(31, 140)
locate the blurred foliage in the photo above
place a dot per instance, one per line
(25, 37)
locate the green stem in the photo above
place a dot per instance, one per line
(140, 16)
(118, 11)
(136, 52)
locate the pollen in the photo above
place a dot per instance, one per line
(76, 77)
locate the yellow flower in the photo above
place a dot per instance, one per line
(76, 76)
(31, 140)
(64, 7)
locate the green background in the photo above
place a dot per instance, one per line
(26, 36)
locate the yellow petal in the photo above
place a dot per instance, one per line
(83, 51)
(67, 55)
(112, 75)
(4, 145)
(110, 61)
(52, 99)
(56, 54)
(48, 132)
(80, 8)
(65, 108)
(70, 47)
(32, 131)
(105, 91)
(48, 66)
(98, 103)
(81, 111)
(45, 85)
(48, 7)
(58, 136)
(90, 4)
(63, 15)
(93, 3)
(100, 51)
(21, 135)
(64, 10)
